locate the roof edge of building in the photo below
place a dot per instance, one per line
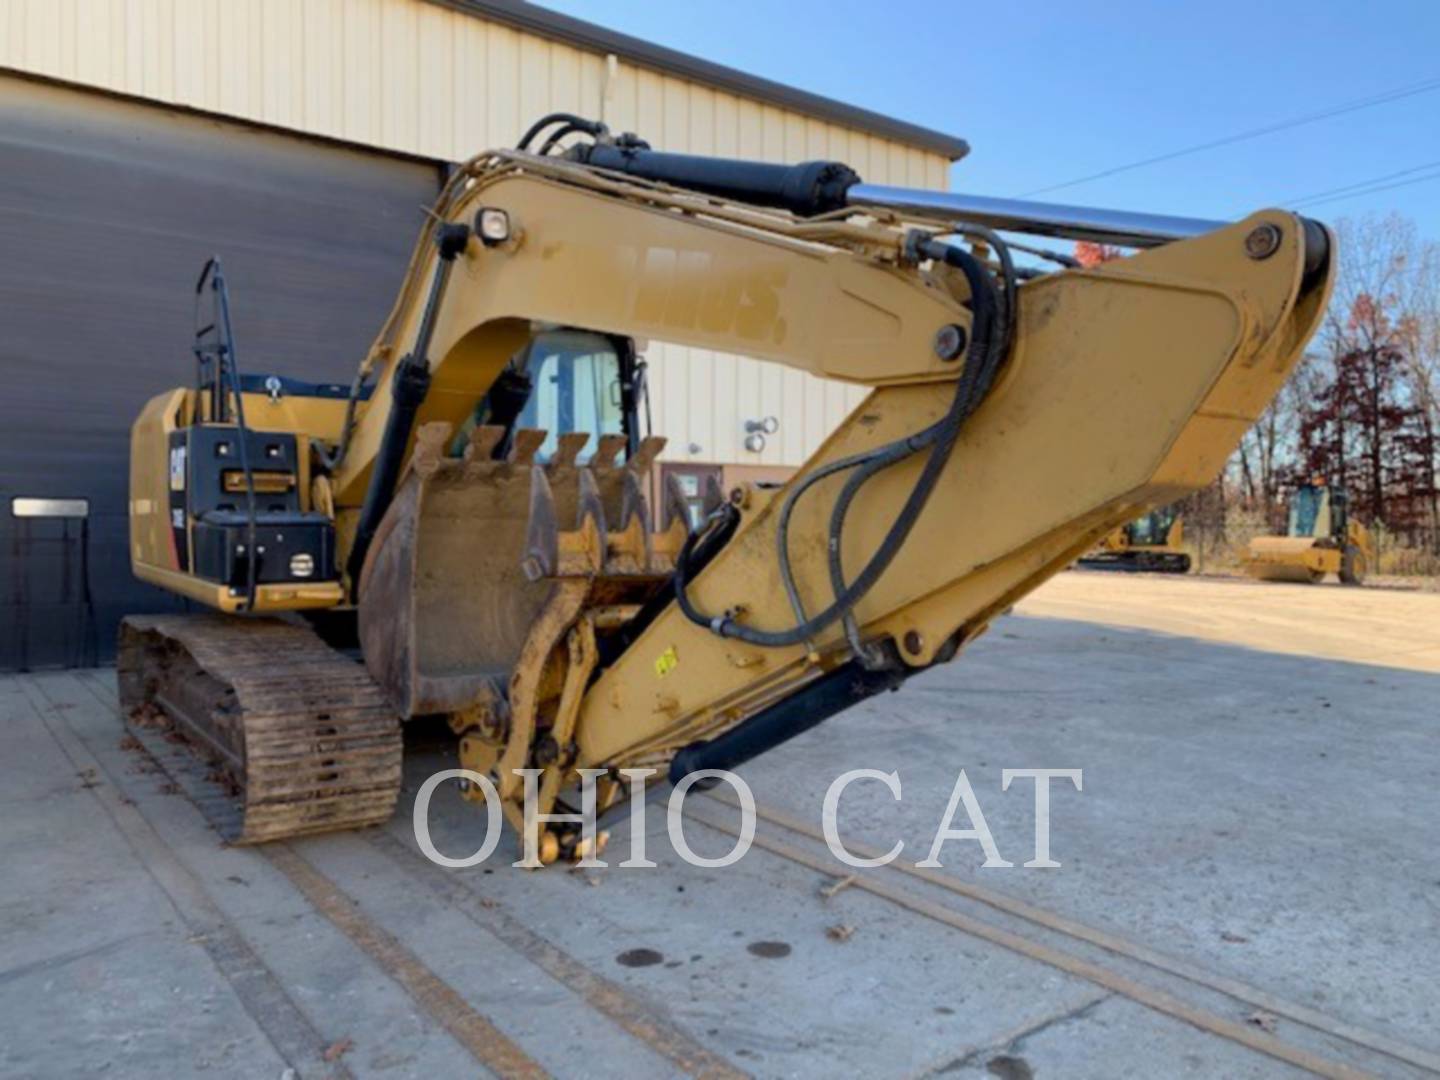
(556, 26)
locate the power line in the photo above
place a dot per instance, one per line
(1383, 98)
(1376, 189)
(1314, 196)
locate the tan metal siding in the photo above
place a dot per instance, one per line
(418, 78)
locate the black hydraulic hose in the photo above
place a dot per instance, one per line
(357, 391)
(982, 360)
(972, 390)
(1008, 276)
(576, 123)
(1000, 348)
(411, 384)
(559, 133)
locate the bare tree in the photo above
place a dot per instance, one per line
(1376, 409)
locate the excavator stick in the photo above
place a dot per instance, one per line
(1100, 412)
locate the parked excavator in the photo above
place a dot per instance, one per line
(1321, 538)
(1152, 542)
(477, 504)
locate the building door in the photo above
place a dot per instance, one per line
(108, 208)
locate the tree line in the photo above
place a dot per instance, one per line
(1361, 411)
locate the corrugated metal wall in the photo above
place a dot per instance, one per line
(108, 210)
(415, 77)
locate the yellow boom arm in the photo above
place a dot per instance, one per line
(1125, 386)
(1012, 421)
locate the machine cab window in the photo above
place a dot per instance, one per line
(563, 381)
(576, 386)
(1305, 511)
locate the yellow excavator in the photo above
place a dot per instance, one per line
(1152, 542)
(476, 505)
(1320, 538)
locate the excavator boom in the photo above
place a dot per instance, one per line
(519, 580)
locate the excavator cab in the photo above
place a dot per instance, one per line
(1321, 538)
(1151, 529)
(1151, 542)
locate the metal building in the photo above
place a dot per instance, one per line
(299, 139)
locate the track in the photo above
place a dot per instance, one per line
(304, 738)
(1146, 563)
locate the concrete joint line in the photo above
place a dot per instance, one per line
(260, 994)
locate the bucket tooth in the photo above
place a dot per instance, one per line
(590, 504)
(645, 454)
(633, 504)
(606, 451)
(582, 550)
(542, 531)
(676, 505)
(483, 441)
(430, 443)
(628, 549)
(665, 545)
(569, 447)
(713, 497)
(526, 445)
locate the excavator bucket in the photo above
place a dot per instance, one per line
(466, 561)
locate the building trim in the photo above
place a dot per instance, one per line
(555, 26)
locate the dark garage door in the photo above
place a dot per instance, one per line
(108, 209)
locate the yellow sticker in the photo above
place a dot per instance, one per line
(666, 662)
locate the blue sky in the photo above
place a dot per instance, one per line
(1051, 90)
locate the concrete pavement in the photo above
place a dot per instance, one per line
(1256, 825)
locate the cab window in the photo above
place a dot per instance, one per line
(576, 387)
(561, 382)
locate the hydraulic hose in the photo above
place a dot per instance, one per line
(982, 360)
(571, 122)
(227, 364)
(410, 384)
(999, 349)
